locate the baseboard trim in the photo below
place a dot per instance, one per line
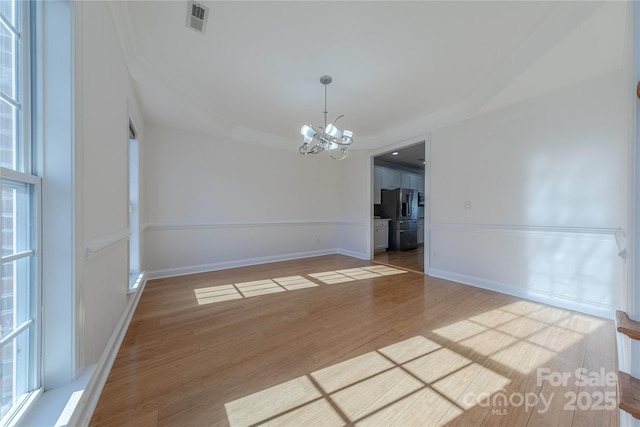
(224, 265)
(86, 405)
(587, 307)
(353, 254)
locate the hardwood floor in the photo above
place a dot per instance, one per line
(332, 341)
(412, 259)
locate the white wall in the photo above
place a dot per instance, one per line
(546, 179)
(355, 205)
(215, 204)
(104, 101)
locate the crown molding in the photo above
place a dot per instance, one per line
(550, 32)
(142, 69)
(121, 17)
(558, 24)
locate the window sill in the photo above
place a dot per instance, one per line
(51, 408)
(135, 280)
(15, 417)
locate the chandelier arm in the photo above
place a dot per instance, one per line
(344, 153)
(323, 138)
(338, 118)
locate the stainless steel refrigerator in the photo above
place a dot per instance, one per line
(401, 207)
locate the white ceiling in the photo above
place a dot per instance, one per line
(412, 156)
(398, 68)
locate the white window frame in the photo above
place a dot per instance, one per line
(23, 175)
(135, 274)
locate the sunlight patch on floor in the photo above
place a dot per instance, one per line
(436, 365)
(233, 291)
(410, 349)
(404, 383)
(332, 277)
(268, 403)
(443, 378)
(317, 413)
(259, 287)
(294, 282)
(371, 395)
(413, 410)
(216, 294)
(475, 380)
(522, 335)
(352, 274)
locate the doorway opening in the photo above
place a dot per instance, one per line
(400, 210)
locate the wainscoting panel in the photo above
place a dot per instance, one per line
(354, 239)
(572, 268)
(181, 248)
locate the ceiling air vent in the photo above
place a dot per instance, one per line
(197, 15)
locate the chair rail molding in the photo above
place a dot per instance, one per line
(103, 243)
(160, 226)
(527, 228)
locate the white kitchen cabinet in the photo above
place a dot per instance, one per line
(420, 231)
(410, 180)
(421, 183)
(380, 234)
(377, 185)
(391, 179)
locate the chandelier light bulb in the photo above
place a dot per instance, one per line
(333, 131)
(347, 137)
(308, 131)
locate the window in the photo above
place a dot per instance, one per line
(19, 288)
(134, 210)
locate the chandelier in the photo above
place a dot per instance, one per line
(330, 139)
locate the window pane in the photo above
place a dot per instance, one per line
(6, 385)
(8, 147)
(16, 217)
(15, 291)
(7, 8)
(15, 371)
(8, 61)
(15, 299)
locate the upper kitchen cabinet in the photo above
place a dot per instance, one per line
(391, 179)
(377, 185)
(409, 180)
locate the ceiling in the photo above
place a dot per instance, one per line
(412, 156)
(399, 68)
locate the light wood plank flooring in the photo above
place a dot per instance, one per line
(412, 259)
(338, 341)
